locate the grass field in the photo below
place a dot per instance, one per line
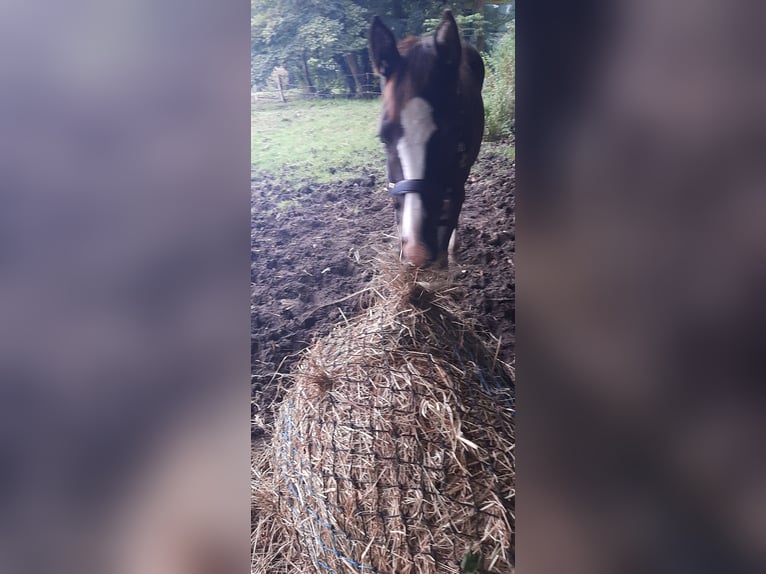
(322, 140)
(306, 139)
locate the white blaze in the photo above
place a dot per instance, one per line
(418, 125)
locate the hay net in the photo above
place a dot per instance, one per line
(393, 451)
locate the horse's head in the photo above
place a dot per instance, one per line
(431, 126)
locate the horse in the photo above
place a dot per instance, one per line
(431, 125)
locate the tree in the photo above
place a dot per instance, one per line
(293, 32)
(324, 42)
(480, 23)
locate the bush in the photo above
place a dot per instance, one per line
(499, 94)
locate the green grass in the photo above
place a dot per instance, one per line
(286, 204)
(510, 152)
(499, 88)
(306, 139)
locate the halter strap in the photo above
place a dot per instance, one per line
(406, 186)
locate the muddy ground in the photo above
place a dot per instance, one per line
(313, 248)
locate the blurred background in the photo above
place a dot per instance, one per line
(641, 267)
(124, 355)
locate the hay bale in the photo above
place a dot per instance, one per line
(392, 453)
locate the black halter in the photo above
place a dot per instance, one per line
(449, 213)
(406, 186)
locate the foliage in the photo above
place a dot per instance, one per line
(323, 43)
(289, 32)
(499, 88)
(471, 26)
(481, 25)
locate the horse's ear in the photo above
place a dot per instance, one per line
(448, 40)
(383, 52)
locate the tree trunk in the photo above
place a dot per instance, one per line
(371, 85)
(310, 89)
(281, 92)
(397, 10)
(480, 43)
(351, 62)
(347, 76)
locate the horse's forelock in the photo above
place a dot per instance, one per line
(412, 74)
(418, 74)
(406, 45)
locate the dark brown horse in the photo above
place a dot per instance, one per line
(432, 125)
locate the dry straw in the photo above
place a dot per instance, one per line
(393, 450)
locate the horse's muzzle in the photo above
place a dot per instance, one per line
(441, 219)
(415, 254)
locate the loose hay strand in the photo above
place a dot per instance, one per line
(392, 452)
